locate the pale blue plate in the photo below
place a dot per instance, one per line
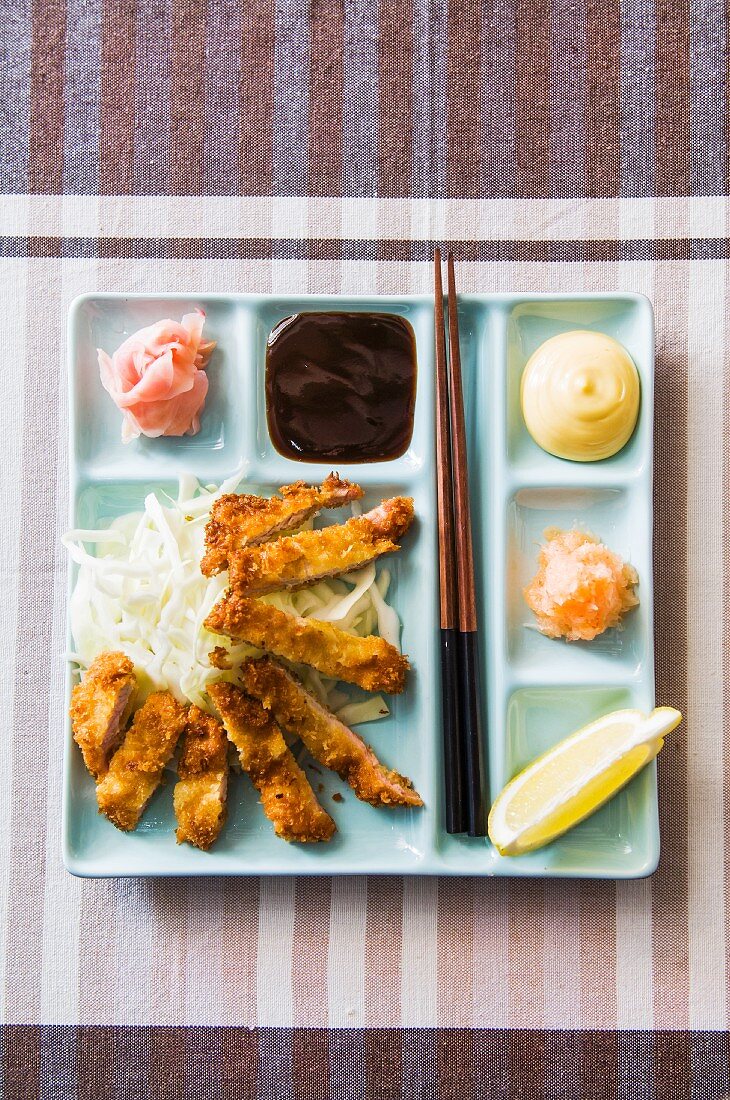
(537, 690)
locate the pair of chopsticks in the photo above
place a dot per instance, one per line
(464, 771)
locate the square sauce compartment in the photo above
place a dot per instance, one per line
(341, 387)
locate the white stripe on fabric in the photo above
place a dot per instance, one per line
(13, 332)
(346, 953)
(274, 1002)
(419, 953)
(299, 218)
(62, 897)
(634, 985)
(634, 960)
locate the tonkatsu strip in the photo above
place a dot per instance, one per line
(286, 795)
(328, 740)
(372, 663)
(135, 770)
(312, 555)
(240, 520)
(100, 705)
(200, 793)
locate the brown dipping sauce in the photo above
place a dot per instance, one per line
(341, 386)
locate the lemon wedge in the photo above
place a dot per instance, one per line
(575, 777)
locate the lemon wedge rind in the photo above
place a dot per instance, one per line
(576, 777)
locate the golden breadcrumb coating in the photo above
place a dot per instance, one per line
(135, 770)
(99, 708)
(309, 556)
(329, 740)
(286, 795)
(238, 520)
(200, 794)
(219, 658)
(372, 663)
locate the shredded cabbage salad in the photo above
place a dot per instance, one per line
(141, 591)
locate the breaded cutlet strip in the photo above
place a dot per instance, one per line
(240, 520)
(99, 708)
(135, 770)
(310, 556)
(200, 793)
(286, 794)
(372, 663)
(329, 741)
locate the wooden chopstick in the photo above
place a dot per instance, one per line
(454, 754)
(467, 633)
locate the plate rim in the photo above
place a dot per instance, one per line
(437, 864)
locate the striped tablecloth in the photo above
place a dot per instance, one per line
(280, 145)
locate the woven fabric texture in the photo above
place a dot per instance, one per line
(284, 146)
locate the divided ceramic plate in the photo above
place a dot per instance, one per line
(537, 690)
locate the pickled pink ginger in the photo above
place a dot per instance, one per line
(157, 378)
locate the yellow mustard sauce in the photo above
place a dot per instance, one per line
(580, 396)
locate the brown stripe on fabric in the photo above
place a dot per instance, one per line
(673, 98)
(532, 97)
(455, 938)
(725, 444)
(310, 1064)
(21, 1063)
(117, 76)
(187, 97)
(310, 943)
(109, 1057)
(597, 1052)
(395, 82)
(383, 944)
(204, 1048)
(240, 919)
(464, 138)
(455, 983)
(256, 98)
(672, 1055)
(167, 1064)
(525, 927)
(455, 1076)
(603, 97)
(97, 1054)
(527, 1064)
(46, 137)
(44, 248)
(376, 251)
(239, 1063)
(326, 97)
(384, 1063)
(725, 72)
(670, 938)
(597, 944)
